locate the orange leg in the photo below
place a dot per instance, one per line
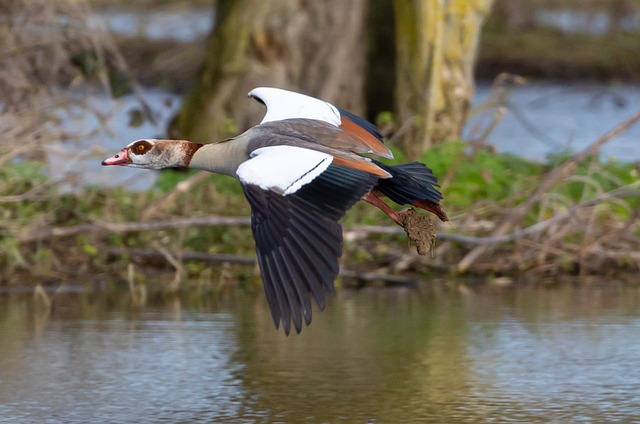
(372, 198)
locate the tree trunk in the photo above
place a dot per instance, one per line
(436, 44)
(315, 47)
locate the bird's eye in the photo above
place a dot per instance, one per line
(141, 147)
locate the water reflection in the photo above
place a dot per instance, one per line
(489, 353)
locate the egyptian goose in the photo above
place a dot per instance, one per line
(301, 169)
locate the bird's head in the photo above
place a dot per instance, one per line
(154, 154)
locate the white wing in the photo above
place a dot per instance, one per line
(283, 169)
(284, 104)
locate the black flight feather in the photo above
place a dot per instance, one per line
(410, 182)
(298, 240)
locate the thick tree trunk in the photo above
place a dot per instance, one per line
(436, 42)
(315, 47)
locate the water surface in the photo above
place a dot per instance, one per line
(475, 355)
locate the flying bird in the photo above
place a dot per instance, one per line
(300, 169)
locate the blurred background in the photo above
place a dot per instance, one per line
(132, 295)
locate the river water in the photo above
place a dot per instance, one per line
(486, 354)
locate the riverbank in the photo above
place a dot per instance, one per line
(574, 215)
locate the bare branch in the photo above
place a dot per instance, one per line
(120, 228)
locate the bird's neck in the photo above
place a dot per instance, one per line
(223, 157)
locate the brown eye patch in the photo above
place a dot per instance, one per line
(141, 147)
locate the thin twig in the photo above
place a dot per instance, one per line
(180, 272)
(170, 198)
(397, 280)
(39, 293)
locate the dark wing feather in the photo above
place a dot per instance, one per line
(298, 240)
(410, 182)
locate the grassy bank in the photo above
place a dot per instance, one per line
(583, 222)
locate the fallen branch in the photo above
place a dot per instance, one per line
(351, 233)
(120, 228)
(184, 256)
(217, 258)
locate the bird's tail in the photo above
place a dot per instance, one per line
(412, 183)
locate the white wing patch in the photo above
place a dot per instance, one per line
(284, 169)
(283, 104)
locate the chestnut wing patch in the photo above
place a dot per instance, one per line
(298, 240)
(366, 131)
